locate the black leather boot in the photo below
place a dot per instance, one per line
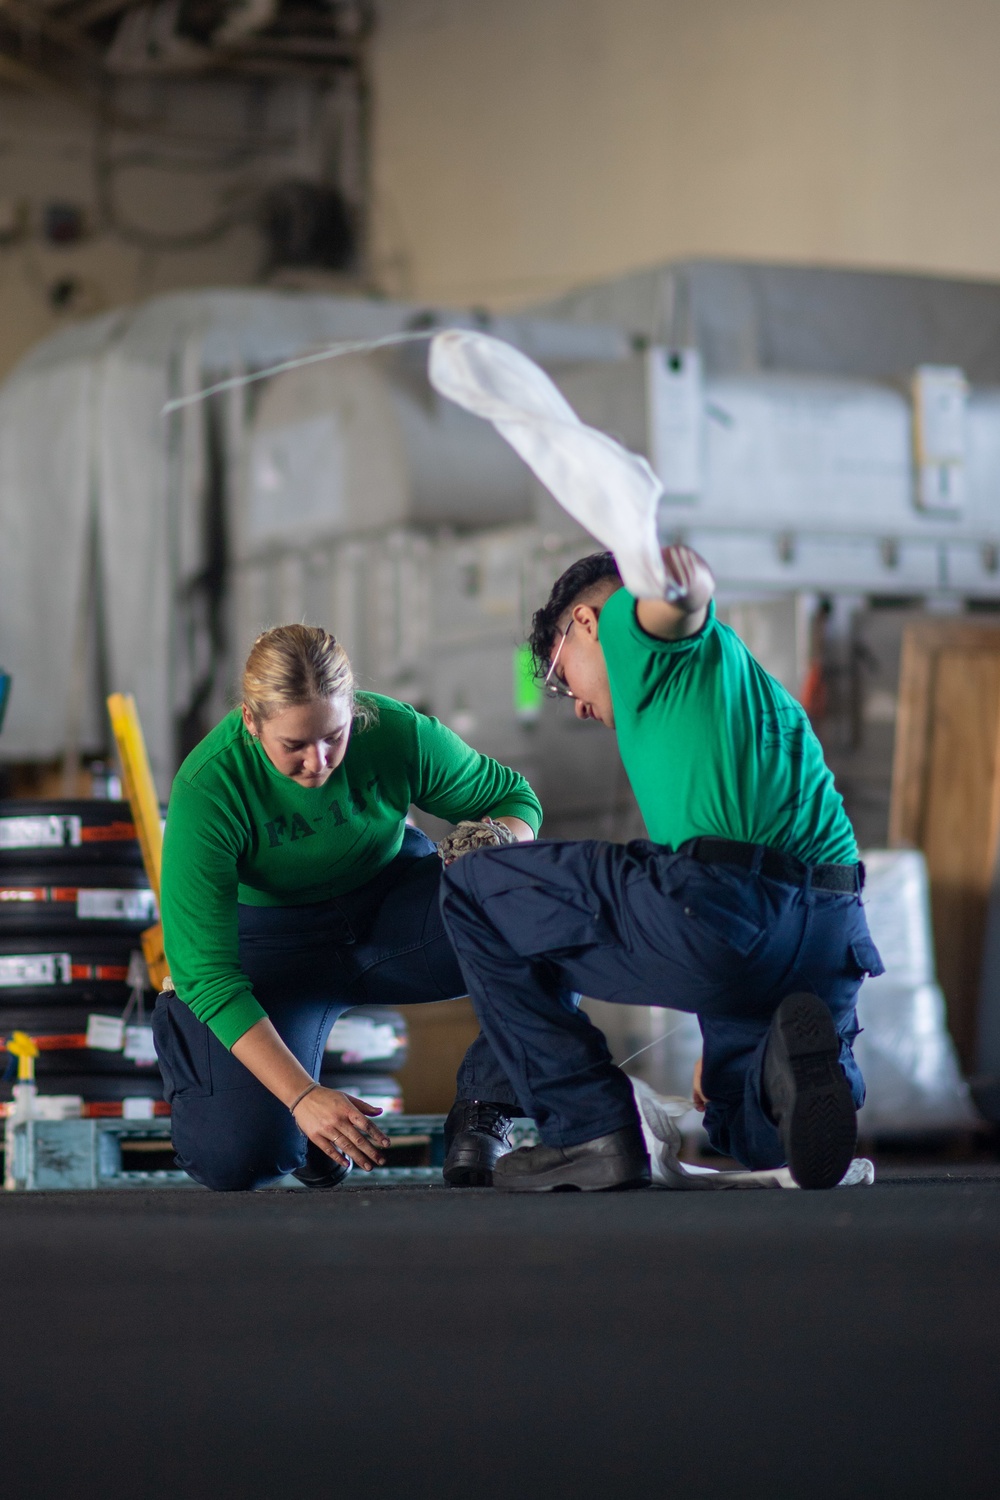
(808, 1094)
(321, 1171)
(617, 1160)
(475, 1137)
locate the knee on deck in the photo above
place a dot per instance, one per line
(235, 1166)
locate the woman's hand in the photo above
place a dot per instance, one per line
(337, 1124)
(483, 833)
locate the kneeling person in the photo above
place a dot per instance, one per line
(744, 909)
(292, 890)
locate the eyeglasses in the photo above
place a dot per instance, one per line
(553, 686)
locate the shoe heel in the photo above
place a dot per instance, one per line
(822, 1133)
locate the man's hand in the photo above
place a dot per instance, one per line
(337, 1124)
(682, 610)
(690, 581)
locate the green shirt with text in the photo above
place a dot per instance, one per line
(238, 830)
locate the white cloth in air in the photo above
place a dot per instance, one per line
(611, 492)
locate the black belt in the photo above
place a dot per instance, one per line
(775, 864)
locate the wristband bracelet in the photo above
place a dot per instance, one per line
(296, 1102)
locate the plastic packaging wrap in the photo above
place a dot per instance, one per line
(897, 905)
(905, 1051)
(908, 1062)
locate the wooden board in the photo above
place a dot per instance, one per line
(946, 794)
(439, 1036)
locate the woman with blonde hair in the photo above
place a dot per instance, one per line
(292, 890)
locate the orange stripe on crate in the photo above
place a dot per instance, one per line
(108, 1109)
(107, 833)
(56, 1043)
(114, 972)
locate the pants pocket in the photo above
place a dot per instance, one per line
(721, 923)
(181, 1042)
(537, 921)
(866, 958)
(719, 917)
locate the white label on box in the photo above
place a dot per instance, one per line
(675, 400)
(940, 401)
(940, 398)
(106, 1033)
(123, 906)
(138, 1109)
(139, 1044)
(39, 833)
(30, 969)
(360, 1038)
(56, 1107)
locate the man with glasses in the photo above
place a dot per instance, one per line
(744, 907)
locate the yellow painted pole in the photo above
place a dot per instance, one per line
(141, 794)
(138, 779)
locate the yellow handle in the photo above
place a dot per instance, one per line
(25, 1049)
(152, 952)
(138, 779)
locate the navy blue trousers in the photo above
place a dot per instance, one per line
(383, 944)
(637, 924)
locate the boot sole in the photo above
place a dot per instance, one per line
(572, 1179)
(820, 1130)
(464, 1167)
(325, 1184)
(458, 1176)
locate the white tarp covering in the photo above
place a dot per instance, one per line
(46, 484)
(84, 444)
(747, 316)
(82, 434)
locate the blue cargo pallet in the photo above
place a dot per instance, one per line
(64, 1155)
(74, 1155)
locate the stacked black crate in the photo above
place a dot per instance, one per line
(74, 900)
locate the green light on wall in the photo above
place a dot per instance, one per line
(527, 688)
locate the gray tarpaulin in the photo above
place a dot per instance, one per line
(83, 442)
(746, 317)
(82, 435)
(46, 488)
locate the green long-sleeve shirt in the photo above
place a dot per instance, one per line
(238, 830)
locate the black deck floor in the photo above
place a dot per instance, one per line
(392, 1343)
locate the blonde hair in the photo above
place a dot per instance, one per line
(293, 664)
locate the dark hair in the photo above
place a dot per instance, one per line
(580, 578)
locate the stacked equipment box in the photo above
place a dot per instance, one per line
(74, 900)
